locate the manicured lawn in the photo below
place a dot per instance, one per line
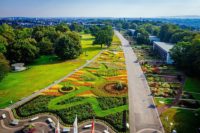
(192, 85)
(184, 121)
(42, 73)
(162, 101)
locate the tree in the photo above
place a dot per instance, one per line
(142, 36)
(180, 36)
(166, 32)
(76, 27)
(45, 46)
(62, 27)
(196, 54)
(3, 44)
(22, 51)
(23, 33)
(68, 46)
(104, 36)
(94, 30)
(182, 56)
(4, 66)
(7, 32)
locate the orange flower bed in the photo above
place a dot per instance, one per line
(55, 87)
(83, 84)
(49, 93)
(122, 72)
(86, 93)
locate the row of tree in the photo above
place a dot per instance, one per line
(26, 44)
(186, 51)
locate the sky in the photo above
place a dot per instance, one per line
(98, 8)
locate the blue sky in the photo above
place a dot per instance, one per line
(98, 8)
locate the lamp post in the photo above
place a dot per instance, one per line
(171, 124)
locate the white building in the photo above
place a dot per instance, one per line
(163, 49)
(132, 31)
(154, 39)
(18, 67)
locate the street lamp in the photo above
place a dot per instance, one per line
(171, 124)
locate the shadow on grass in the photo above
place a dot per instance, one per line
(92, 48)
(48, 59)
(186, 121)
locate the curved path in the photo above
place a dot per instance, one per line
(142, 112)
(5, 126)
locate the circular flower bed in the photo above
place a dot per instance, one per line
(116, 88)
(67, 89)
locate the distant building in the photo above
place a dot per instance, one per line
(153, 39)
(132, 31)
(18, 67)
(163, 49)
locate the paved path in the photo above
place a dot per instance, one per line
(24, 100)
(5, 126)
(143, 116)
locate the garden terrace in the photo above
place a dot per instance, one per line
(88, 98)
(166, 84)
(145, 52)
(159, 69)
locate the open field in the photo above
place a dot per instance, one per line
(42, 73)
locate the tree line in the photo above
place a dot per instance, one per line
(26, 44)
(186, 50)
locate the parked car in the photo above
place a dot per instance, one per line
(15, 122)
(3, 116)
(87, 126)
(105, 131)
(35, 118)
(49, 120)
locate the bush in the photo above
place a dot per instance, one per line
(119, 86)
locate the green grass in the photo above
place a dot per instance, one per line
(192, 85)
(115, 43)
(196, 96)
(53, 104)
(44, 71)
(165, 100)
(184, 121)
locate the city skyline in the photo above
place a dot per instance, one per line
(103, 8)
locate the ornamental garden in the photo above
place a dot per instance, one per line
(176, 96)
(98, 90)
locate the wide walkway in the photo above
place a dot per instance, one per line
(143, 115)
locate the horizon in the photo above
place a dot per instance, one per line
(102, 9)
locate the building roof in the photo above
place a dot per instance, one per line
(18, 65)
(153, 37)
(132, 30)
(165, 46)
